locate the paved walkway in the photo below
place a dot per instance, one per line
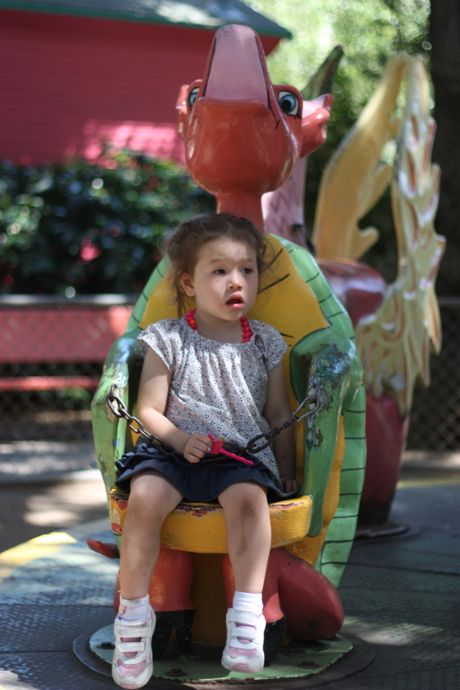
(45, 461)
(401, 598)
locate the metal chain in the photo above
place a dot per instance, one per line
(119, 410)
(307, 407)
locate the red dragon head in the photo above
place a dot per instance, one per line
(242, 134)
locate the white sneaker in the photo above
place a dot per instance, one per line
(244, 650)
(132, 663)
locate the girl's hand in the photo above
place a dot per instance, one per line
(196, 446)
(290, 486)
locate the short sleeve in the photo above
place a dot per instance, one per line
(163, 338)
(273, 344)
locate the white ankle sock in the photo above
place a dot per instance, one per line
(134, 609)
(248, 601)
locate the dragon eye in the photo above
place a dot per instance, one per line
(288, 103)
(193, 95)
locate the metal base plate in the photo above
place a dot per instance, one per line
(298, 666)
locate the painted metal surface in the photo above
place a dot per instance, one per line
(245, 123)
(200, 527)
(203, 666)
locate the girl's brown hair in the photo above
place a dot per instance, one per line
(183, 246)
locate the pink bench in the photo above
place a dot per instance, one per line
(48, 330)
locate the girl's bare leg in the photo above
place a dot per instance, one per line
(249, 540)
(248, 533)
(151, 499)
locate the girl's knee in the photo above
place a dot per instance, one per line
(245, 498)
(147, 499)
(141, 488)
(142, 509)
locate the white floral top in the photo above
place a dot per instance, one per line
(217, 387)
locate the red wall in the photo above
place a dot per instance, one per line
(68, 82)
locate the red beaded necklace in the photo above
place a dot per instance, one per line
(246, 330)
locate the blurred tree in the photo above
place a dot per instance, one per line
(445, 71)
(369, 31)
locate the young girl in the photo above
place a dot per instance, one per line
(210, 373)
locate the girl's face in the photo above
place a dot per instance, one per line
(225, 279)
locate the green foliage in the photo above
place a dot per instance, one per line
(82, 228)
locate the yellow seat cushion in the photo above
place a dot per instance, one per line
(200, 527)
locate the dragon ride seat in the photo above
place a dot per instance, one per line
(314, 530)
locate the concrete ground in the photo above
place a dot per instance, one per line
(47, 486)
(401, 595)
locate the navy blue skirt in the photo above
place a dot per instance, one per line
(202, 481)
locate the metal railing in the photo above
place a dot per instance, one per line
(63, 415)
(51, 355)
(435, 417)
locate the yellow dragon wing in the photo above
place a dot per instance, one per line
(355, 178)
(394, 343)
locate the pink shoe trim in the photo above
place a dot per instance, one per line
(132, 663)
(244, 650)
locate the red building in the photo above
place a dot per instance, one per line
(75, 73)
